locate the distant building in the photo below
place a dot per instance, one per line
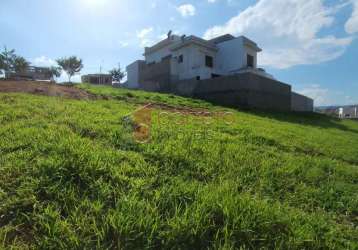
(342, 112)
(101, 79)
(348, 112)
(32, 74)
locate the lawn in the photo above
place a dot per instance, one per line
(73, 175)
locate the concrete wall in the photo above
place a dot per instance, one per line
(156, 76)
(101, 79)
(301, 103)
(133, 72)
(242, 90)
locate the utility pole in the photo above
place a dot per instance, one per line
(100, 71)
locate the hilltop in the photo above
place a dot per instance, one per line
(73, 175)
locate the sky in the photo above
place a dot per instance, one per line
(310, 44)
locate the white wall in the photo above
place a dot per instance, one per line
(250, 51)
(194, 62)
(158, 55)
(163, 52)
(133, 75)
(232, 56)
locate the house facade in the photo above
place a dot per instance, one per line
(222, 70)
(195, 58)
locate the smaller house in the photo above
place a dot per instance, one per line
(100, 79)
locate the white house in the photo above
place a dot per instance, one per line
(191, 57)
(190, 66)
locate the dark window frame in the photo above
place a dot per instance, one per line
(250, 61)
(209, 61)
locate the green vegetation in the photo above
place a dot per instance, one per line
(72, 177)
(71, 65)
(10, 62)
(117, 74)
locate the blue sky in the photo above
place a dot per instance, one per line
(311, 44)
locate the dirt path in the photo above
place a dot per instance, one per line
(43, 88)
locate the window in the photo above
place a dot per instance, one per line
(215, 75)
(166, 57)
(209, 61)
(250, 61)
(198, 78)
(180, 59)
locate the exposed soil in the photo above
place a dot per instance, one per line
(43, 88)
(52, 89)
(184, 110)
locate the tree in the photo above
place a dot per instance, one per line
(19, 64)
(2, 64)
(7, 58)
(117, 74)
(55, 72)
(70, 65)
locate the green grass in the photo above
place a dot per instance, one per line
(73, 177)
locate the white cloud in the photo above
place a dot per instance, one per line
(186, 10)
(317, 93)
(288, 31)
(144, 36)
(352, 23)
(325, 97)
(123, 44)
(43, 61)
(162, 36)
(144, 32)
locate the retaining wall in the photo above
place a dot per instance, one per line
(242, 90)
(301, 103)
(156, 76)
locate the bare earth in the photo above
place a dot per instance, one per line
(42, 88)
(52, 89)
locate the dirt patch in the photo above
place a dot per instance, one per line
(184, 110)
(181, 110)
(42, 88)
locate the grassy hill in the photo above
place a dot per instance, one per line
(72, 175)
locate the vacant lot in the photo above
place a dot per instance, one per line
(72, 176)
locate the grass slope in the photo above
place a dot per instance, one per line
(72, 177)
